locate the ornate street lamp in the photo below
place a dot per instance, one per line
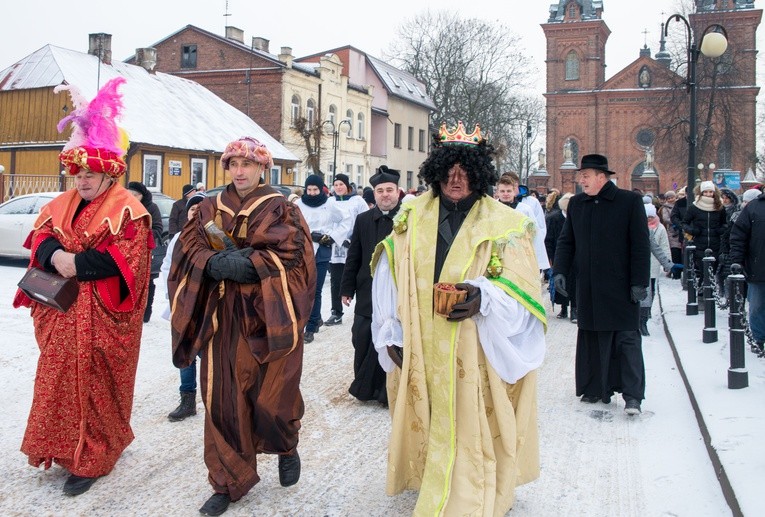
(335, 137)
(714, 42)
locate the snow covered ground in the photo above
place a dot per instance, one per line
(596, 461)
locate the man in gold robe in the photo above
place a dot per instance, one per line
(242, 306)
(462, 388)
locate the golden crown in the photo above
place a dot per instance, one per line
(459, 135)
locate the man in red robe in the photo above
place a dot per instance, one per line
(241, 301)
(100, 234)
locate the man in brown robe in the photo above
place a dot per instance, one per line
(243, 309)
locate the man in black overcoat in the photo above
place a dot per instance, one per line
(370, 228)
(606, 236)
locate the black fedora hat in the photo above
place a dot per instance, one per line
(595, 161)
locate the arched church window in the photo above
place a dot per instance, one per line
(724, 154)
(572, 66)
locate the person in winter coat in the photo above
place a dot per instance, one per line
(747, 248)
(351, 204)
(705, 223)
(732, 210)
(178, 213)
(328, 226)
(660, 259)
(606, 235)
(674, 234)
(143, 195)
(556, 216)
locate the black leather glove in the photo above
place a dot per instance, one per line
(326, 240)
(469, 307)
(638, 293)
(396, 353)
(346, 243)
(559, 281)
(316, 236)
(233, 265)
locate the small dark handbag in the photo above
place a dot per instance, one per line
(50, 289)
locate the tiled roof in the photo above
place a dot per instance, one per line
(400, 83)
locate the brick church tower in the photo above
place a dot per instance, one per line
(628, 117)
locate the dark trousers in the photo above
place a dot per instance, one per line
(322, 261)
(335, 277)
(677, 258)
(608, 362)
(369, 377)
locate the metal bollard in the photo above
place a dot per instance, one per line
(692, 307)
(710, 323)
(738, 377)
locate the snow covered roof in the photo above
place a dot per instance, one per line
(160, 109)
(401, 83)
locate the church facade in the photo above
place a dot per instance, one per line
(639, 117)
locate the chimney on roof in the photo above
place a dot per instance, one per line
(259, 43)
(100, 45)
(147, 58)
(235, 34)
(285, 56)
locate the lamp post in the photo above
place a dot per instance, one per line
(335, 138)
(713, 44)
(528, 151)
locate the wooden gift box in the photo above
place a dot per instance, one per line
(49, 288)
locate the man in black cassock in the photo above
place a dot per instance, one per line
(606, 236)
(370, 228)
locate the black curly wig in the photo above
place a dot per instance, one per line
(477, 160)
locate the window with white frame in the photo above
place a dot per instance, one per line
(294, 109)
(422, 141)
(275, 175)
(349, 116)
(359, 174)
(397, 136)
(152, 172)
(198, 171)
(360, 126)
(310, 112)
(410, 138)
(333, 114)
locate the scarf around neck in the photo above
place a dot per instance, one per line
(314, 201)
(706, 204)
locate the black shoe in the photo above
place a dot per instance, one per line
(644, 329)
(563, 313)
(335, 319)
(76, 485)
(289, 469)
(308, 337)
(632, 407)
(590, 399)
(573, 315)
(216, 505)
(186, 408)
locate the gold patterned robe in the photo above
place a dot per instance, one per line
(83, 396)
(460, 435)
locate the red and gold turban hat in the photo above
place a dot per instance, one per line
(97, 144)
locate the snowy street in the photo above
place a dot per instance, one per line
(596, 461)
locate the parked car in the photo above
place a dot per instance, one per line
(17, 216)
(165, 204)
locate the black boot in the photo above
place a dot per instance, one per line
(289, 469)
(574, 317)
(563, 312)
(216, 505)
(149, 301)
(645, 314)
(76, 485)
(187, 407)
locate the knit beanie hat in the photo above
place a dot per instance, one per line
(706, 185)
(650, 210)
(344, 178)
(751, 195)
(315, 180)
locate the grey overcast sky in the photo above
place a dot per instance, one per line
(306, 26)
